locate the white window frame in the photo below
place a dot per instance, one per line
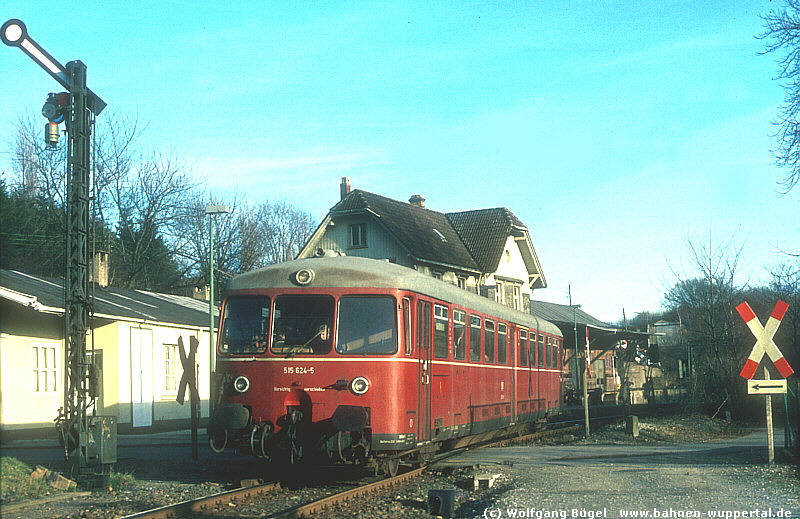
(171, 362)
(44, 365)
(357, 235)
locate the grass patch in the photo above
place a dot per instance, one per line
(121, 481)
(16, 482)
(688, 428)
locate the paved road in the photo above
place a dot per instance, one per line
(730, 478)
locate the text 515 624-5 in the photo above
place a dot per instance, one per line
(298, 370)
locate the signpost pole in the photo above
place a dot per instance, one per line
(770, 433)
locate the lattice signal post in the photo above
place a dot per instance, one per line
(89, 441)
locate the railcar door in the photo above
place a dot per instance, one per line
(424, 332)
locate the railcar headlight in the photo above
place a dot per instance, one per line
(359, 385)
(304, 276)
(241, 384)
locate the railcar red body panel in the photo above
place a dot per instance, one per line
(353, 358)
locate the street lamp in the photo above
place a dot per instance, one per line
(212, 211)
(583, 380)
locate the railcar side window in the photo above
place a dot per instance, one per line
(502, 343)
(245, 325)
(407, 326)
(541, 350)
(523, 347)
(547, 357)
(532, 350)
(474, 338)
(488, 341)
(460, 334)
(366, 326)
(440, 325)
(302, 324)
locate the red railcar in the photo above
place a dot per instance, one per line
(348, 359)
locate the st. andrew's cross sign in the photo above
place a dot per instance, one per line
(764, 343)
(189, 377)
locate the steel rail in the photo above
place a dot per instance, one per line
(202, 503)
(305, 510)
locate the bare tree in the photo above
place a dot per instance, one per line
(40, 169)
(150, 201)
(284, 230)
(705, 302)
(782, 32)
(785, 285)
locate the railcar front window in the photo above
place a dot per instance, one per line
(367, 326)
(245, 325)
(302, 325)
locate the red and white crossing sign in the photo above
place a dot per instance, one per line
(764, 343)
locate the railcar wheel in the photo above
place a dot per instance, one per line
(217, 439)
(391, 467)
(256, 446)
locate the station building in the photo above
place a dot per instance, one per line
(133, 344)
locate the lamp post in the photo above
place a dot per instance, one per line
(582, 381)
(212, 211)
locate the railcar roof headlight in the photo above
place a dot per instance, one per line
(359, 385)
(241, 384)
(304, 276)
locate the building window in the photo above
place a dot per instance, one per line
(44, 368)
(358, 235)
(462, 282)
(517, 297)
(171, 365)
(499, 295)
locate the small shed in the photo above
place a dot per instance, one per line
(134, 342)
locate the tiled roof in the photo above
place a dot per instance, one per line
(484, 232)
(415, 227)
(110, 302)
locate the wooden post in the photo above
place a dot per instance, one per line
(770, 433)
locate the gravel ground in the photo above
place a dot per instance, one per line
(582, 478)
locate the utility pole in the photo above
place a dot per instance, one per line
(89, 441)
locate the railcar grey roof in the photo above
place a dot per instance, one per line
(47, 295)
(353, 272)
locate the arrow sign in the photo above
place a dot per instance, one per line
(766, 387)
(764, 342)
(188, 377)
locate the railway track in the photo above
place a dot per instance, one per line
(203, 505)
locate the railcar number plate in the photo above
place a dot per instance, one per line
(298, 370)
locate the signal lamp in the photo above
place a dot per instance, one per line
(51, 134)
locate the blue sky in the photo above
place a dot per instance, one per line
(615, 130)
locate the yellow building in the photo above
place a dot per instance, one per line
(134, 343)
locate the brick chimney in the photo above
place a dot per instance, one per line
(344, 187)
(417, 201)
(99, 271)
